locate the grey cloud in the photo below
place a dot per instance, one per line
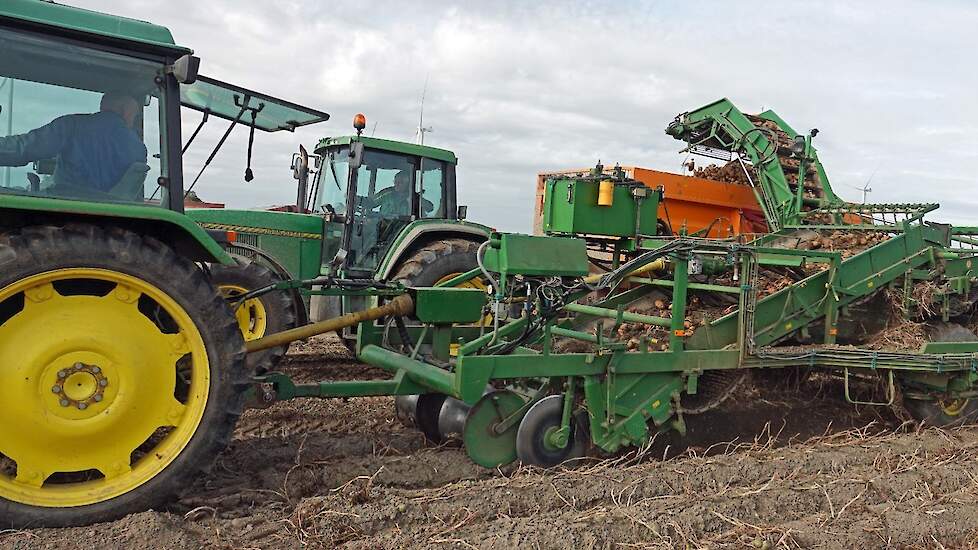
(517, 87)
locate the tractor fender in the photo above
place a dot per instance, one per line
(422, 232)
(172, 228)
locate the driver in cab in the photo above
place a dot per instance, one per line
(93, 151)
(395, 202)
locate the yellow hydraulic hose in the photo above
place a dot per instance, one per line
(652, 266)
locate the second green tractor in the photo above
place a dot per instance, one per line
(366, 208)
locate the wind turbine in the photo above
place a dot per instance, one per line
(422, 129)
(866, 189)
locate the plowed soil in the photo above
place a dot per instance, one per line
(776, 467)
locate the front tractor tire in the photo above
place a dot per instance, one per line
(440, 261)
(267, 314)
(121, 375)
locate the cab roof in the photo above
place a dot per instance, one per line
(87, 24)
(391, 145)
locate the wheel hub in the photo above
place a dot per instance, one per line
(80, 386)
(251, 315)
(953, 407)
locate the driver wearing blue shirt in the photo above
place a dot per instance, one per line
(93, 150)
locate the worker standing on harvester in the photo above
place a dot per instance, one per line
(93, 151)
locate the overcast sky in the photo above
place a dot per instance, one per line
(515, 88)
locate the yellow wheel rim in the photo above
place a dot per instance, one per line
(104, 379)
(252, 317)
(954, 407)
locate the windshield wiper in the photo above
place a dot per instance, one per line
(332, 170)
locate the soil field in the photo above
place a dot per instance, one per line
(774, 467)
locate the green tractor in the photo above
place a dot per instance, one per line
(122, 370)
(366, 208)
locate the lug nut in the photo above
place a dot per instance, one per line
(96, 370)
(82, 406)
(78, 366)
(62, 374)
(64, 403)
(103, 382)
(56, 389)
(98, 397)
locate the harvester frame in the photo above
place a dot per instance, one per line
(484, 386)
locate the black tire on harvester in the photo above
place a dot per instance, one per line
(267, 314)
(121, 375)
(937, 412)
(429, 265)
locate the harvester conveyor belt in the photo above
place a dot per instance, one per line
(795, 307)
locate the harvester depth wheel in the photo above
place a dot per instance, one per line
(121, 375)
(257, 317)
(485, 442)
(428, 408)
(945, 412)
(536, 439)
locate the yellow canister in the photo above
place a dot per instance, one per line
(606, 193)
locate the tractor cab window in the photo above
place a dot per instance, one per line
(78, 123)
(332, 181)
(432, 188)
(383, 206)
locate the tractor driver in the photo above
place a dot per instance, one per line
(395, 201)
(93, 151)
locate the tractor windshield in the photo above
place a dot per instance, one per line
(78, 122)
(383, 205)
(332, 181)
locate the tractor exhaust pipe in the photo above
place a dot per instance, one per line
(399, 306)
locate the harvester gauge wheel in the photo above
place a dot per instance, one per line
(948, 411)
(426, 414)
(485, 445)
(943, 412)
(121, 374)
(538, 441)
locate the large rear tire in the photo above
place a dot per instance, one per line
(121, 375)
(439, 261)
(267, 314)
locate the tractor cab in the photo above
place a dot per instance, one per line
(372, 189)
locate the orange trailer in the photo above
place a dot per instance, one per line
(698, 204)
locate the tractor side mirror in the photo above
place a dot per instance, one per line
(185, 69)
(300, 164)
(463, 212)
(356, 154)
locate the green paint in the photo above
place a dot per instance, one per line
(571, 207)
(401, 147)
(513, 254)
(67, 19)
(178, 227)
(449, 305)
